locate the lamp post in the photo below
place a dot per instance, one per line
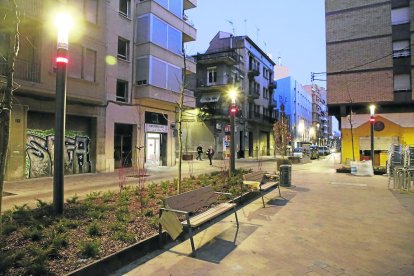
(233, 111)
(301, 130)
(63, 24)
(317, 133)
(372, 121)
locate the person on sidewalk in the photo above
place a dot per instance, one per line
(210, 154)
(199, 152)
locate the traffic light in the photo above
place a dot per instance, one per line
(233, 109)
(372, 119)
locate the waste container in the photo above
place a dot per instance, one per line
(285, 175)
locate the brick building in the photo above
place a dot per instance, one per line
(369, 62)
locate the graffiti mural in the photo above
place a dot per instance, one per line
(40, 154)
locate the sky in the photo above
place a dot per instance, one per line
(291, 29)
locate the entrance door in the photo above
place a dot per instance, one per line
(123, 145)
(250, 144)
(153, 149)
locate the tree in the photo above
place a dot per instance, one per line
(281, 133)
(10, 25)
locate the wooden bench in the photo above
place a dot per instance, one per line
(190, 202)
(262, 181)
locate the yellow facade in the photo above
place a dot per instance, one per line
(391, 129)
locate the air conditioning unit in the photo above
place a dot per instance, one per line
(141, 82)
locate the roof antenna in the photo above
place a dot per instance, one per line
(257, 33)
(232, 27)
(245, 27)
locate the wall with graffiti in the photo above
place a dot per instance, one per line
(40, 151)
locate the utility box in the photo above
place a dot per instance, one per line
(285, 175)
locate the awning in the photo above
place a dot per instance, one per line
(210, 98)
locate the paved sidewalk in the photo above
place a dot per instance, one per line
(27, 191)
(329, 224)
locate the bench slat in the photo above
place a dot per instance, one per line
(209, 214)
(193, 200)
(254, 176)
(268, 185)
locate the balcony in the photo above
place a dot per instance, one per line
(226, 57)
(221, 83)
(254, 94)
(24, 70)
(253, 72)
(272, 85)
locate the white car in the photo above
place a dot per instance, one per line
(298, 152)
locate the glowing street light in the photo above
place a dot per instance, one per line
(63, 23)
(372, 121)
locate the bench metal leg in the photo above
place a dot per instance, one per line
(235, 214)
(278, 187)
(261, 194)
(190, 232)
(160, 240)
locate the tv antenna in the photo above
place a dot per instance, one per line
(245, 27)
(257, 33)
(232, 26)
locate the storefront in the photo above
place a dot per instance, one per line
(156, 139)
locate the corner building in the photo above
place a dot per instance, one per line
(369, 61)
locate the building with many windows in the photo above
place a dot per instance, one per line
(369, 61)
(124, 79)
(234, 62)
(298, 109)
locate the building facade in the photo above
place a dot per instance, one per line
(298, 109)
(235, 62)
(124, 79)
(369, 61)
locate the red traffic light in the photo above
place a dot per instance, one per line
(372, 119)
(233, 110)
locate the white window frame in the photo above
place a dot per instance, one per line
(214, 76)
(124, 99)
(121, 55)
(128, 4)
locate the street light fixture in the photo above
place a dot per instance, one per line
(63, 23)
(317, 133)
(233, 110)
(372, 121)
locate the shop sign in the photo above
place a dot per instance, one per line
(156, 128)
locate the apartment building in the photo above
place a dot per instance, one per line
(31, 149)
(369, 61)
(320, 118)
(298, 109)
(235, 62)
(143, 87)
(124, 78)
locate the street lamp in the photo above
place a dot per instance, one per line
(312, 133)
(233, 110)
(372, 121)
(317, 133)
(63, 23)
(301, 129)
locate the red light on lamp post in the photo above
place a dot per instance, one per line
(372, 121)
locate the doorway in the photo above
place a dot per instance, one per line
(123, 146)
(153, 149)
(250, 144)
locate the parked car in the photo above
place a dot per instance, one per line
(323, 150)
(298, 152)
(313, 152)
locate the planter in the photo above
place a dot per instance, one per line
(187, 156)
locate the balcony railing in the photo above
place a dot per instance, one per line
(211, 83)
(24, 70)
(401, 53)
(229, 57)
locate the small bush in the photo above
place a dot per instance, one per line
(95, 214)
(153, 221)
(90, 249)
(6, 262)
(67, 223)
(73, 200)
(127, 237)
(108, 196)
(94, 229)
(34, 234)
(9, 228)
(92, 196)
(165, 185)
(118, 227)
(148, 213)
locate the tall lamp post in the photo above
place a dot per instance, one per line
(233, 110)
(63, 24)
(317, 134)
(372, 121)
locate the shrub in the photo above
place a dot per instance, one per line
(35, 234)
(9, 228)
(6, 262)
(94, 229)
(118, 227)
(90, 249)
(127, 237)
(165, 186)
(153, 221)
(74, 199)
(67, 223)
(148, 213)
(95, 214)
(92, 196)
(152, 190)
(108, 196)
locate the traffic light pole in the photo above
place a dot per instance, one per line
(372, 120)
(232, 147)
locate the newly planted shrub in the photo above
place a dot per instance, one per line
(94, 229)
(90, 249)
(73, 200)
(9, 228)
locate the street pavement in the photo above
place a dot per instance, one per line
(29, 190)
(325, 224)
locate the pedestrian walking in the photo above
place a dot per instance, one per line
(210, 154)
(199, 152)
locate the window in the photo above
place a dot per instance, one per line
(400, 16)
(401, 48)
(90, 65)
(125, 7)
(265, 93)
(82, 63)
(402, 82)
(159, 32)
(91, 11)
(123, 48)
(121, 91)
(211, 76)
(174, 6)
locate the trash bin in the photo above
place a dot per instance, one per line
(285, 175)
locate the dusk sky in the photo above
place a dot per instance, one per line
(293, 30)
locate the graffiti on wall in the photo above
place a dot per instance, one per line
(40, 154)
